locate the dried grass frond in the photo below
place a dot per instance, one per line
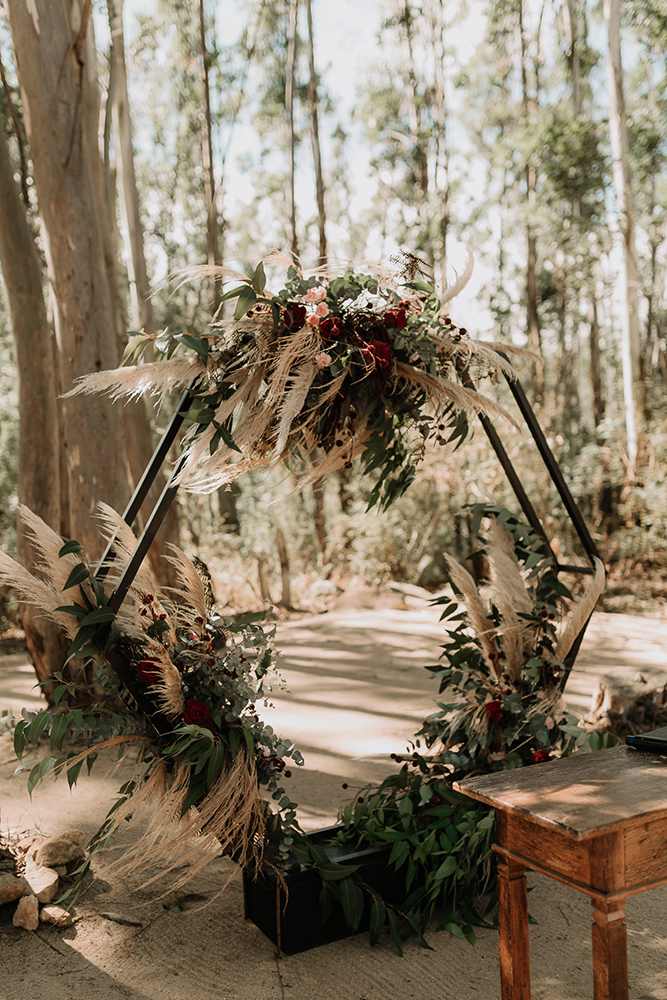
(191, 588)
(168, 688)
(482, 625)
(453, 290)
(467, 351)
(206, 481)
(513, 634)
(581, 612)
(113, 527)
(38, 593)
(156, 377)
(200, 271)
(47, 543)
(293, 402)
(334, 459)
(441, 390)
(505, 568)
(229, 819)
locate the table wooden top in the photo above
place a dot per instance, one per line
(581, 795)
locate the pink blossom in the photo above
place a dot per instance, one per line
(322, 309)
(316, 295)
(323, 360)
(314, 320)
(497, 756)
(549, 722)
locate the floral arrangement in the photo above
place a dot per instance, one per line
(327, 369)
(506, 656)
(197, 678)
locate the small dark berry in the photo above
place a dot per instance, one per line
(360, 799)
(210, 663)
(288, 774)
(345, 785)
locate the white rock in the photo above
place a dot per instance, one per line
(27, 913)
(12, 888)
(55, 915)
(43, 882)
(60, 850)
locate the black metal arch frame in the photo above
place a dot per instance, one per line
(159, 511)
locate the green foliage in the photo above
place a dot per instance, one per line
(495, 717)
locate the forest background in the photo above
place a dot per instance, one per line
(143, 140)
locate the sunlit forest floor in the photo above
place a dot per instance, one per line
(357, 691)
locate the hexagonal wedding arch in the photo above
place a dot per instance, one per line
(329, 369)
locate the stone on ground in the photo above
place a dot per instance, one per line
(27, 913)
(43, 883)
(61, 850)
(55, 915)
(12, 888)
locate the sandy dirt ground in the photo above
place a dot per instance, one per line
(358, 691)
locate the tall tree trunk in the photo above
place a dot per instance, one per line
(142, 308)
(291, 134)
(633, 394)
(39, 461)
(442, 153)
(315, 134)
(56, 66)
(531, 289)
(212, 230)
(286, 585)
(135, 416)
(594, 346)
(418, 148)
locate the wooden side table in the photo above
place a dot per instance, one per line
(595, 821)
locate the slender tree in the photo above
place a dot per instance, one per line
(630, 344)
(39, 453)
(290, 81)
(315, 136)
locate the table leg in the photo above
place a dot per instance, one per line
(610, 950)
(513, 923)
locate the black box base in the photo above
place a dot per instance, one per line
(294, 922)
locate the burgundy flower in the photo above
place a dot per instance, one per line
(378, 353)
(294, 316)
(395, 318)
(148, 672)
(540, 756)
(495, 712)
(197, 713)
(330, 327)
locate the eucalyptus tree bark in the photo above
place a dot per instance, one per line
(315, 135)
(142, 309)
(210, 191)
(633, 394)
(290, 78)
(136, 423)
(39, 462)
(56, 66)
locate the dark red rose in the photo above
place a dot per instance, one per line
(148, 671)
(495, 712)
(330, 328)
(395, 318)
(294, 316)
(197, 713)
(540, 756)
(378, 354)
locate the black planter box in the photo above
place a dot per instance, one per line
(295, 924)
